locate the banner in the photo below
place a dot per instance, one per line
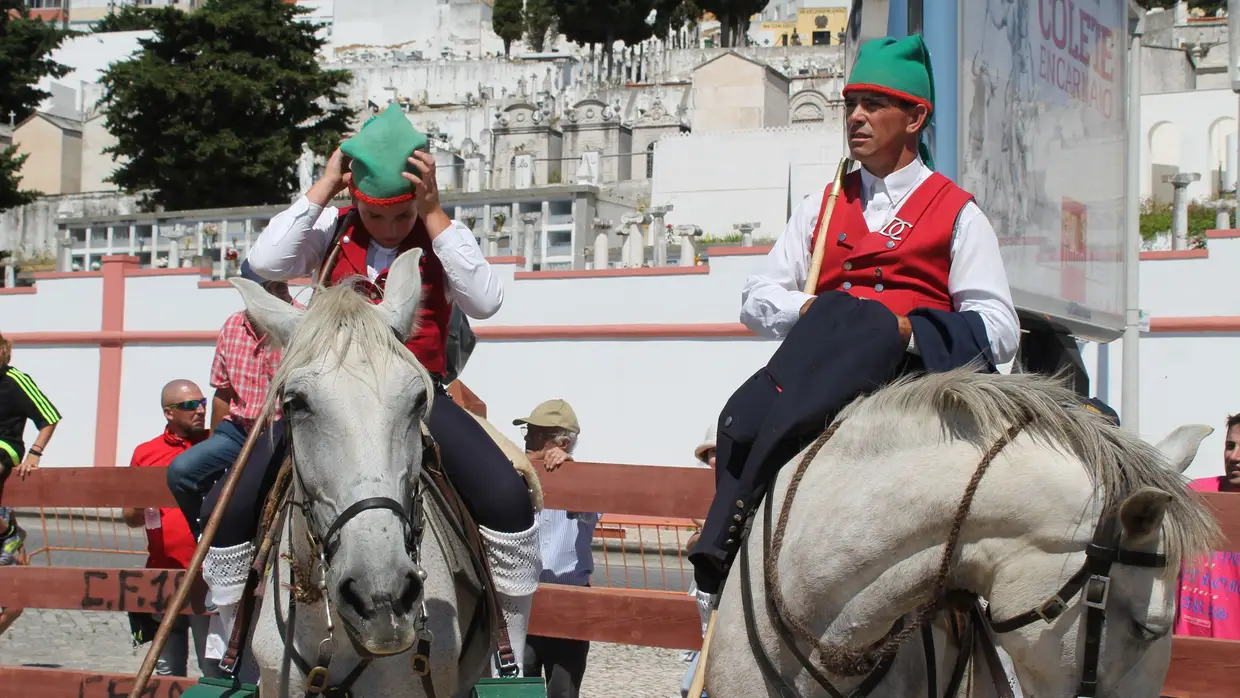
(1042, 147)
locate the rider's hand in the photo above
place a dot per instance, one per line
(425, 186)
(336, 177)
(29, 464)
(906, 329)
(554, 457)
(805, 306)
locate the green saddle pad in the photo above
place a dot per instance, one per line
(221, 688)
(510, 688)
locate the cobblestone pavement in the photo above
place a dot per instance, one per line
(100, 641)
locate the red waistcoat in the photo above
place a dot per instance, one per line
(903, 266)
(428, 343)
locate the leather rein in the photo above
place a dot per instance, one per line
(1092, 582)
(413, 518)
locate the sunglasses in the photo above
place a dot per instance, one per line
(188, 405)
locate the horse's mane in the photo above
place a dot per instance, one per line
(978, 407)
(339, 320)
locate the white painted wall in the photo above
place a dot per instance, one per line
(718, 179)
(1185, 132)
(639, 401)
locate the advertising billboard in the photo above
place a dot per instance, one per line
(1042, 126)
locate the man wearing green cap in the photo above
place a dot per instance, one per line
(911, 280)
(396, 208)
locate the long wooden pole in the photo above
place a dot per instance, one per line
(200, 552)
(699, 672)
(213, 523)
(820, 242)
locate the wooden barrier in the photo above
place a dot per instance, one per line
(52, 683)
(627, 616)
(1200, 668)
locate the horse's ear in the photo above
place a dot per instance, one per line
(273, 316)
(402, 294)
(1180, 446)
(1142, 513)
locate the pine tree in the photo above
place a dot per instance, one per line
(127, 18)
(214, 110)
(540, 23)
(733, 16)
(25, 47)
(507, 21)
(10, 165)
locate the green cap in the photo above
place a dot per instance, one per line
(380, 152)
(898, 68)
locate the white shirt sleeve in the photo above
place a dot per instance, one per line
(978, 282)
(294, 242)
(472, 282)
(771, 298)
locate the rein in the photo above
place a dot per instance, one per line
(1092, 582)
(847, 661)
(486, 614)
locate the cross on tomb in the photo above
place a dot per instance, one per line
(12, 116)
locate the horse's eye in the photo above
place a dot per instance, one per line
(295, 402)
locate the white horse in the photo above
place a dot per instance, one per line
(374, 602)
(868, 526)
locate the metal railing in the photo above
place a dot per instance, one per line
(629, 552)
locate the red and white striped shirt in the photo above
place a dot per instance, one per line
(244, 363)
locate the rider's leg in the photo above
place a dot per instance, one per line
(232, 549)
(499, 501)
(191, 474)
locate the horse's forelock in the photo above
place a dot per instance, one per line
(978, 407)
(339, 320)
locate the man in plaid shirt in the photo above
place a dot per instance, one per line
(240, 374)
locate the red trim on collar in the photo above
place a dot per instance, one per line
(380, 202)
(864, 87)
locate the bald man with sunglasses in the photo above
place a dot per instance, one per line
(169, 543)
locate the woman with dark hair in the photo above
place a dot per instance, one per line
(21, 400)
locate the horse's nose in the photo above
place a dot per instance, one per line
(370, 600)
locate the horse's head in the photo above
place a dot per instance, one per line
(354, 400)
(1154, 527)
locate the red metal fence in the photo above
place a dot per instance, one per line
(1200, 668)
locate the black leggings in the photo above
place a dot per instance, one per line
(493, 491)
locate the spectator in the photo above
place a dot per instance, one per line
(12, 552)
(551, 433)
(21, 399)
(169, 543)
(240, 374)
(705, 453)
(1209, 600)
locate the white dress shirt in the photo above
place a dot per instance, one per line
(771, 299)
(295, 242)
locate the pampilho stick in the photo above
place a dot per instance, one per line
(213, 523)
(820, 242)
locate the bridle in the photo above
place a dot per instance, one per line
(1093, 582)
(324, 548)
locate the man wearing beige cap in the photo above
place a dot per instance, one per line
(550, 433)
(564, 539)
